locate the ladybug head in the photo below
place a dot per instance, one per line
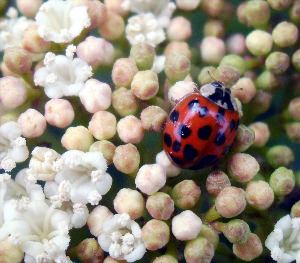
(219, 94)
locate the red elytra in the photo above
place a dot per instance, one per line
(201, 130)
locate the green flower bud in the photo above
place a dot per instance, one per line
(177, 67)
(107, 148)
(215, 28)
(227, 75)
(267, 81)
(296, 57)
(244, 139)
(293, 131)
(280, 155)
(257, 13)
(234, 61)
(294, 12)
(241, 13)
(205, 75)
(212, 8)
(279, 4)
(295, 212)
(143, 55)
(89, 250)
(282, 181)
(259, 42)
(285, 34)
(277, 62)
(261, 102)
(165, 259)
(199, 250)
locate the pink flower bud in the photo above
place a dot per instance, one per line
(285, 34)
(244, 139)
(96, 219)
(10, 253)
(77, 138)
(249, 250)
(95, 96)
(13, 92)
(262, 133)
(150, 178)
(160, 206)
(33, 124)
(212, 50)
(186, 225)
(124, 102)
(199, 250)
(243, 167)
(145, 84)
(180, 89)
(59, 113)
(107, 148)
(177, 67)
(88, 250)
(6, 71)
(294, 109)
(216, 181)
(153, 118)
(29, 7)
(130, 202)
(230, 202)
(126, 158)
(295, 211)
(214, 28)
(123, 72)
(179, 29)
(18, 60)
(130, 129)
(236, 44)
(113, 27)
(155, 234)
(96, 51)
(259, 194)
(32, 42)
(116, 7)
(244, 89)
(175, 47)
(186, 194)
(103, 125)
(163, 160)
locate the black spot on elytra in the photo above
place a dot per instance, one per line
(220, 138)
(203, 111)
(167, 139)
(189, 152)
(193, 104)
(176, 160)
(176, 146)
(174, 116)
(204, 132)
(207, 160)
(232, 125)
(184, 131)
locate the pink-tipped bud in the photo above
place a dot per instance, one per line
(96, 219)
(216, 181)
(262, 133)
(244, 89)
(105, 147)
(244, 139)
(126, 158)
(33, 124)
(199, 250)
(294, 108)
(77, 138)
(130, 129)
(103, 125)
(59, 113)
(177, 67)
(10, 253)
(155, 234)
(153, 118)
(88, 250)
(231, 201)
(163, 160)
(124, 102)
(186, 225)
(113, 27)
(130, 202)
(13, 92)
(29, 7)
(18, 60)
(160, 206)
(96, 51)
(179, 29)
(212, 50)
(123, 72)
(116, 6)
(175, 47)
(236, 44)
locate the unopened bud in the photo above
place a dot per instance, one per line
(257, 13)
(259, 42)
(77, 138)
(295, 211)
(107, 148)
(126, 158)
(124, 102)
(216, 181)
(277, 62)
(143, 55)
(199, 250)
(280, 155)
(244, 138)
(285, 34)
(262, 133)
(17, 60)
(282, 181)
(89, 250)
(177, 67)
(160, 206)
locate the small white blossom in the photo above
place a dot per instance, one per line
(39, 230)
(162, 10)
(43, 164)
(61, 21)
(13, 147)
(81, 179)
(121, 238)
(144, 28)
(12, 29)
(63, 75)
(284, 241)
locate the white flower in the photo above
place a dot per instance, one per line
(162, 10)
(42, 165)
(284, 241)
(144, 28)
(81, 178)
(62, 75)
(121, 238)
(61, 21)
(13, 147)
(40, 230)
(12, 29)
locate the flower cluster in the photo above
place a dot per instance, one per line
(110, 110)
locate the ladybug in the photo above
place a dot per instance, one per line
(201, 128)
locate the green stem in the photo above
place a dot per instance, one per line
(211, 215)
